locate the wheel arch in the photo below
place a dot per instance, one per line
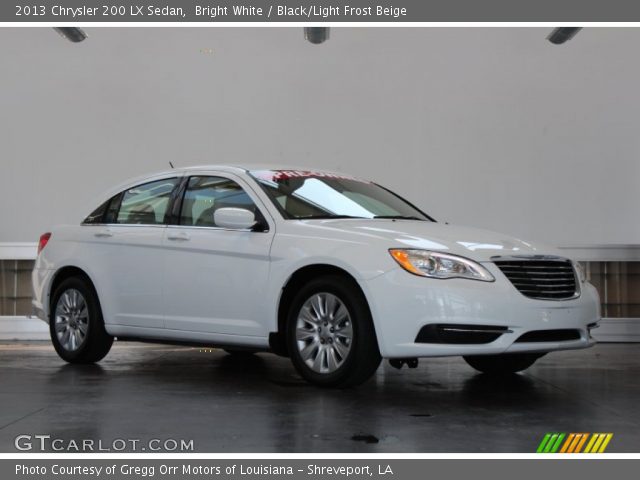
(294, 281)
(64, 273)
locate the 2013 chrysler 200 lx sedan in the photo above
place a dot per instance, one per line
(332, 271)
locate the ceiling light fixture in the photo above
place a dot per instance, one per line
(560, 35)
(72, 34)
(316, 35)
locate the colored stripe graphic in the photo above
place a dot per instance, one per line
(590, 444)
(550, 443)
(543, 443)
(574, 442)
(596, 446)
(568, 442)
(576, 439)
(581, 442)
(606, 441)
(556, 445)
(598, 443)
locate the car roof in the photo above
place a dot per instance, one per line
(242, 168)
(236, 168)
(228, 168)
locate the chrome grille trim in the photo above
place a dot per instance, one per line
(541, 277)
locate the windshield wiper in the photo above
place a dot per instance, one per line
(400, 217)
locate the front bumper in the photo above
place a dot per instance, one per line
(401, 304)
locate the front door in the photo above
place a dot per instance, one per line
(215, 278)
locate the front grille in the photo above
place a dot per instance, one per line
(547, 278)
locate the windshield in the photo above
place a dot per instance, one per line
(305, 194)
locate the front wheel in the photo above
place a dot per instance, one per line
(330, 334)
(76, 325)
(502, 364)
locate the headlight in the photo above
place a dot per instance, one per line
(582, 274)
(439, 265)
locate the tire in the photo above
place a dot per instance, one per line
(81, 338)
(337, 349)
(502, 364)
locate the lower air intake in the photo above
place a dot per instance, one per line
(459, 334)
(562, 335)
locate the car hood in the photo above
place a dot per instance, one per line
(474, 243)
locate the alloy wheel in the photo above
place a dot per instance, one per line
(324, 333)
(71, 319)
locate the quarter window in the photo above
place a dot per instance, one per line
(146, 204)
(105, 213)
(97, 216)
(205, 195)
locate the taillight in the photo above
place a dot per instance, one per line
(44, 239)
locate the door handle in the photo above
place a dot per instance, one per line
(179, 236)
(103, 233)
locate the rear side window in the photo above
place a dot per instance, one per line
(145, 204)
(204, 195)
(97, 216)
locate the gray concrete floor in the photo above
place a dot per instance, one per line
(259, 404)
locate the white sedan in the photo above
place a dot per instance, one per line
(330, 270)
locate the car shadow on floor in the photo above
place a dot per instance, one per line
(259, 403)
(274, 378)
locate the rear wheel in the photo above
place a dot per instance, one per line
(330, 334)
(502, 364)
(76, 325)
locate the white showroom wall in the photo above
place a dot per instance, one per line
(488, 127)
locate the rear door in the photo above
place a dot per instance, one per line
(215, 278)
(127, 256)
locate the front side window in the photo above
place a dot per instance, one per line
(205, 195)
(305, 194)
(146, 204)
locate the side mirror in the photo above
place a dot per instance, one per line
(235, 218)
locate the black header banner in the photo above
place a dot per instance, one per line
(395, 11)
